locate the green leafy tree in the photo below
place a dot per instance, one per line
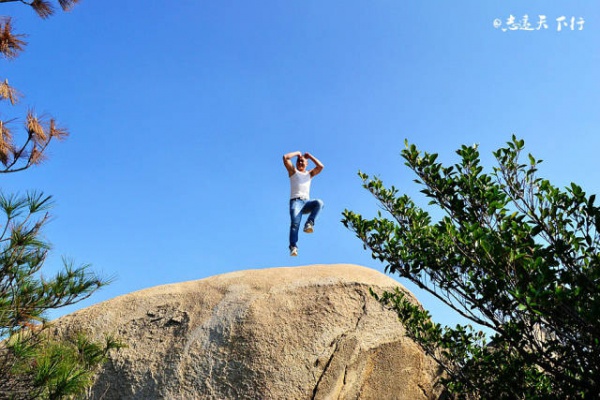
(33, 363)
(510, 252)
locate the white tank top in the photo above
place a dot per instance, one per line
(300, 185)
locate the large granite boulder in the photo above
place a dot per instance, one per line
(310, 332)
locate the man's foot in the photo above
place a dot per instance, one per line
(294, 251)
(308, 228)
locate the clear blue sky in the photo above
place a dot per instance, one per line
(180, 112)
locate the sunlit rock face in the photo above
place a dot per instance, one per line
(310, 332)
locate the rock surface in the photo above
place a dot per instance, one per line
(309, 332)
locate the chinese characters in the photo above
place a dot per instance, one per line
(526, 23)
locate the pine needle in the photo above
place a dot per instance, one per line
(35, 129)
(43, 8)
(67, 5)
(6, 137)
(10, 44)
(57, 132)
(37, 156)
(9, 93)
(6, 144)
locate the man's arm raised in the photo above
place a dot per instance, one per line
(319, 165)
(287, 161)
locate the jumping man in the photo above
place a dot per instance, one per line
(300, 202)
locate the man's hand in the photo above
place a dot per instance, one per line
(293, 154)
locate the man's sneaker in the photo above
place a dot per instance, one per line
(294, 251)
(308, 228)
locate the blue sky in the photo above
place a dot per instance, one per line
(179, 116)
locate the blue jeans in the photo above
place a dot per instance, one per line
(299, 207)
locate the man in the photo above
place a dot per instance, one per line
(300, 202)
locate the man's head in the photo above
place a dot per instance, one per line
(301, 163)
